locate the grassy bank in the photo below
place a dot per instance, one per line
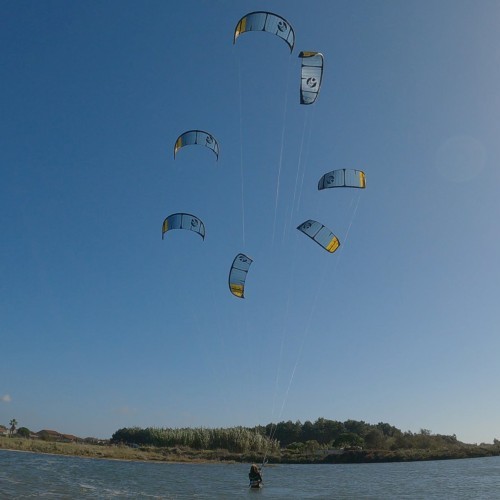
(122, 452)
(76, 449)
(185, 454)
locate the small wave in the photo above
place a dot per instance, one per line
(87, 487)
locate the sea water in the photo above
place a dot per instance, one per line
(31, 475)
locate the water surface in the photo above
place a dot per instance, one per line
(31, 475)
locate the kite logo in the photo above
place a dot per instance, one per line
(282, 26)
(312, 82)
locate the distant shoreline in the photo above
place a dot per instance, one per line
(176, 455)
(83, 450)
(90, 457)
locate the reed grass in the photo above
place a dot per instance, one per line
(233, 439)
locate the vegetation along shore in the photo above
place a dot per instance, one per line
(324, 441)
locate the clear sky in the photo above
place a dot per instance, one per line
(105, 325)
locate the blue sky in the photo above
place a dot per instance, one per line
(104, 325)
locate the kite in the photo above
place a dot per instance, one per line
(183, 221)
(311, 76)
(197, 137)
(238, 274)
(266, 21)
(343, 177)
(320, 234)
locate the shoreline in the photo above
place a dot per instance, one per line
(87, 457)
(113, 452)
(191, 456)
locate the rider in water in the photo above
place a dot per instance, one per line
(255, 476)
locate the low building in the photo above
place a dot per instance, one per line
(69, 438)
(49, 435)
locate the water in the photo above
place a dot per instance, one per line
(30, 475)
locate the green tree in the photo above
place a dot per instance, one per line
(388, 430)
(326, 431)
(307, 431)
(357, 427)
(423, 440)
(13, 425)
(288, 432)
(375, 440)
(404, 441)
(347, 439)
(24, 432)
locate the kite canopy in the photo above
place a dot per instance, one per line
(266, 21)
(238, 274)
(311, 76)
(183, 221)
(320, 234)
(343, 177)
(199, 137)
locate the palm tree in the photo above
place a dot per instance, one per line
(13, 425)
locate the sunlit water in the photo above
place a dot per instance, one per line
(30, 475)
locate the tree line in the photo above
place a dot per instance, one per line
(354, 433)
(323, 433)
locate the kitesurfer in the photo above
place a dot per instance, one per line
(255, 476)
